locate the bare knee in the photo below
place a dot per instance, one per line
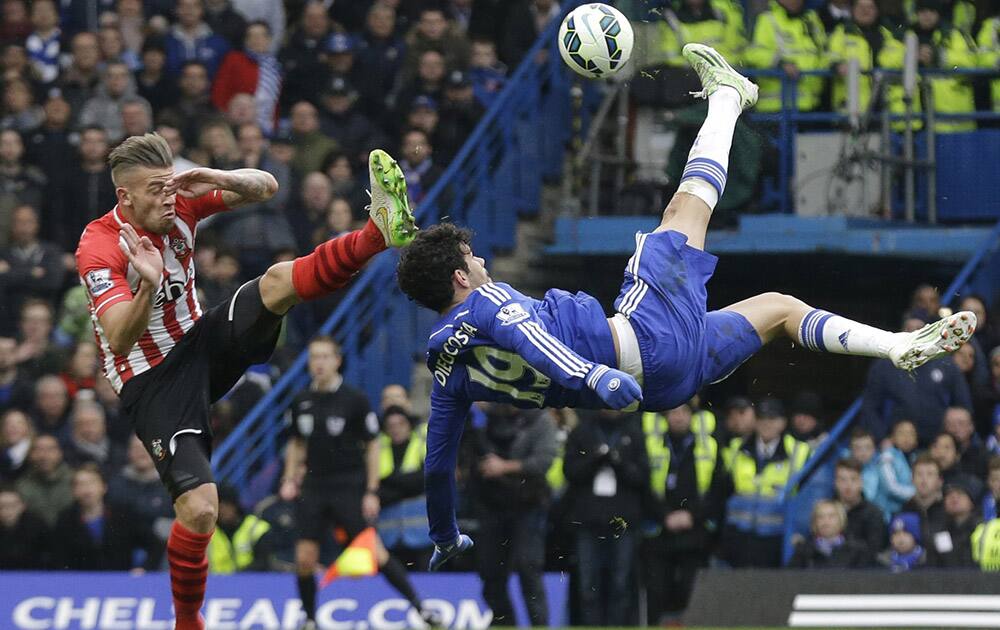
(787, 303)
(198, 509)
(276, 288)
(306, 557)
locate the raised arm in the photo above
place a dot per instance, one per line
(239, 187)
(444, 432)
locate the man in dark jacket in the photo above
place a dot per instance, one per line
(137, 487)
(458, 116)
(28, 267)
(513, 452)
(91, 536)
(922, 395)
(342, 120)
(927, 501)
(865, 523)
(950, 546)
(686, 477)
(23, 535)
(971, 452)
(608, 474)
(88, 192)
(379, 59)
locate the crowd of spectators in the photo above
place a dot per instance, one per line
(796, 36)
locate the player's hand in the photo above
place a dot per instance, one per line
(145, 258)
(370, 507)
(617, 389)
(195, 182)
(289, 490)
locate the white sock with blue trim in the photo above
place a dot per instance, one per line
(821, 331)
(705, 172)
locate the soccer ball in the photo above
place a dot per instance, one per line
(595, 40)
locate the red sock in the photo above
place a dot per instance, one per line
(188, 572)
(332, 263)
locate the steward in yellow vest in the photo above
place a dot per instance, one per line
(715, 23)
(873, 46)
(791, 38)
(943, 47)
(402, 521)
(961, 14)
(239, 542)
(686, 475)
(758, 475)
(986, 545)
(988, 41)
(740, 419)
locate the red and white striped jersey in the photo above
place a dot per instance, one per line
(109, 278)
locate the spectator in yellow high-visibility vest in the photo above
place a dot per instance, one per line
(944, 47)
(790, 38)
(759, 472)
(986, 537)
(686, 474)
(739, 420)
(240, 541)
(402, 521)
(988, 41)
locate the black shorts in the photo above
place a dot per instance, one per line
(168, 405)
(330, 502)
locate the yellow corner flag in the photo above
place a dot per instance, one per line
(358, 560)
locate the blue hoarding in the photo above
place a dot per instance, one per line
(115, 601)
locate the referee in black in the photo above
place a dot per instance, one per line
(333, 433)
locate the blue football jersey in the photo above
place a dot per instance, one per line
(500, 345)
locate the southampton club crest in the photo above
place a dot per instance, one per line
(158, 451)
(179, 246)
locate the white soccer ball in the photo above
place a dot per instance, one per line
(595, 40)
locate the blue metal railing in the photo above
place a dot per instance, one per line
(788, 119)
(496, 176)
(797, 505)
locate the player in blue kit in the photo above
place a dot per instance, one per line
(493, 343)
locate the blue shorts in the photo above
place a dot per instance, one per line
(682, 346)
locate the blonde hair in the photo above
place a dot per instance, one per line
(149, 150)
(838, 508)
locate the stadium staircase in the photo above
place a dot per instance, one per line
(980, 275)
(496, 178)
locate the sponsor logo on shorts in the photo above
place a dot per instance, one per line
(157, 448)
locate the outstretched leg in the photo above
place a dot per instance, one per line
(333, 263)
(704, 178)
(773, 315)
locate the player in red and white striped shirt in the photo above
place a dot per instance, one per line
(169, 361)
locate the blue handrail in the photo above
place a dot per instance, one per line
(833, 441)
(517, 143)
(788, 119)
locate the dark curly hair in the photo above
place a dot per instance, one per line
(427, 264)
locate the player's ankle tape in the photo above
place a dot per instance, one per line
(702, 189)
